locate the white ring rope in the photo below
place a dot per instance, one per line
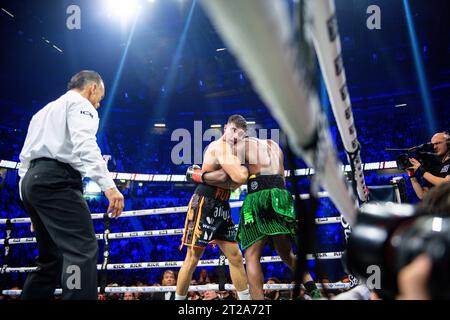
(327, 42)
(156, 211)
(199, 288)
(149, 233)
(182, 178)
(178, 264)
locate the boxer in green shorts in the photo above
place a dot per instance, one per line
(267, 213)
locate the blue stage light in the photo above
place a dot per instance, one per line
(420, 70)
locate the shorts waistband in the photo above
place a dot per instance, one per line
(258, 182)
(213, 192)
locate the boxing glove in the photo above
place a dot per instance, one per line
(194, 174)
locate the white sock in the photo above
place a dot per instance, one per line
(244, 295)
(179, 297)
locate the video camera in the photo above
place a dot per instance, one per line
(390, 236)
(423, 153)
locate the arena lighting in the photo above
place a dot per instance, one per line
(216, 126)
(159, 125)
(8, 13)
(400, 105)
(221, 49)
(171, 76)
(122, 9)
(420, 70)
(251, 122)
(117, 77)
(92, 188)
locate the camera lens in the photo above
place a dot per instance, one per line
(403, 161)
(430, 235)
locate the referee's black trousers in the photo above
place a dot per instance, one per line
(52, 194)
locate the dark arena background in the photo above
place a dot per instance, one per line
(166, 67)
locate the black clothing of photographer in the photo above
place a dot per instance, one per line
(435, 174)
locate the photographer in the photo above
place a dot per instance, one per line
(410, 246)
(413, 279)
(436, 174)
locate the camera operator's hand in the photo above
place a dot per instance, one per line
(418, 168)
(415, 164)
(413, 279)
(411, 171)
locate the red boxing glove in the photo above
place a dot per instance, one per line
(194, 174)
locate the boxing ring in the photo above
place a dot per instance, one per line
(171, 178)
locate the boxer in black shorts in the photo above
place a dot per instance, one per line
(209, 218)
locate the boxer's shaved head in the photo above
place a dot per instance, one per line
(83, 78)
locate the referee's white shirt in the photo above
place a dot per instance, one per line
(65, 130)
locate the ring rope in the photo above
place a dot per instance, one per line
(198, 288)
(156, 211)
(381, 165)
(148, 233)
(178, 264)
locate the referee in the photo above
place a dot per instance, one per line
(59, 151)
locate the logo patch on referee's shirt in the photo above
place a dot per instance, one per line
(445, 168)
(87, 113)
